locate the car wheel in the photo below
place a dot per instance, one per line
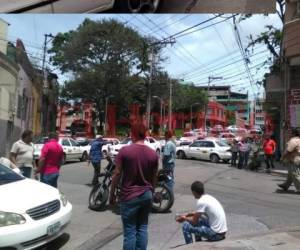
(84, 156)
(143, 6)
(214, 158)
(181, 155)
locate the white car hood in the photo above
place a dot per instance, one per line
(19, 196)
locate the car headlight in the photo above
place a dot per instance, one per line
(63, 199)
(8, 219)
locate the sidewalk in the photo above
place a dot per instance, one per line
(288, 239)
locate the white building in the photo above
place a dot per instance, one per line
(259, 114)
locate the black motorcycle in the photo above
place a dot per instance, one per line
(163, 197)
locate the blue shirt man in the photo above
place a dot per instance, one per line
(169, 156)
(96, 156)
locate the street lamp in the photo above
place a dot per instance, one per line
(161, 108)
(210, 79)
(191, 120)
(106, 103)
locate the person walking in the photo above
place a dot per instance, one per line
(21, 153)
(50, 161)
(291, 156)
(209, 219)
(95, 157)
(234, 151)
(168, 158)
(269, 148)
(247, 151)
(242, 152)
(137, 164)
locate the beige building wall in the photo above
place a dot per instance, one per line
(3, 36)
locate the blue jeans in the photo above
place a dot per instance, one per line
(26, 171)
(134, 214)
(50, 179)
(201, 229)
(170, 168)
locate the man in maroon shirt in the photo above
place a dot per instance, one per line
(137, 164)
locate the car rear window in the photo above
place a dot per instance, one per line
(222, 144)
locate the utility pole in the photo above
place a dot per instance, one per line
(210, 79)
(44, 116)
(149, 94)
(170, 106)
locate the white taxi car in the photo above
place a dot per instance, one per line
(78, 6)
(149, 141)
(31, 213)
(209, 149)
(72, 149)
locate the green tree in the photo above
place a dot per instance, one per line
(104, 58)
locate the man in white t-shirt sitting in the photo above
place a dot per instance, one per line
(208, 221)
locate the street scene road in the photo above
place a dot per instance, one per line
(219, 6)
(201, 90)
(252, 203)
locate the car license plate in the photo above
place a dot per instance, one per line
(53, 229)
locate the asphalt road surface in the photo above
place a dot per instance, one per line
(218, 6)
(251, 201)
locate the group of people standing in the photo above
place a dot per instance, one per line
(48, 166)
(241, 152)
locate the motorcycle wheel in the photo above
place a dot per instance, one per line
(163, 199)
(98, 197)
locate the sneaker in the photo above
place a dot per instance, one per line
(283, 187)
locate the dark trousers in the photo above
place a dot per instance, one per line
(247, 154)
(234, 158)
(241, 159)
(269, 161)
(97, 169)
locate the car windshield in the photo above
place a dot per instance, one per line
(126, 141)
(222, 143)
(7, 175)
(83, 143)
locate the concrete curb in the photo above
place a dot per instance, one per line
(102, 238)
(283, 173)
(281, 238)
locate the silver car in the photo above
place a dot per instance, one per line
(77, 6)
(208, 149)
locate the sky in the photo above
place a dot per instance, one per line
(206, 51)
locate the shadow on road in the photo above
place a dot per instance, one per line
(57, 243)
(279, 191)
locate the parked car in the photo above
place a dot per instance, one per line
(187, 138)
(229, 137)
(217, 129)
(149, 141)
(209, 149)
(79, 6)
(237, 130)
(31, 213)
(105, 148)
(72, 149)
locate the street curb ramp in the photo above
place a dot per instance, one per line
(102, 238)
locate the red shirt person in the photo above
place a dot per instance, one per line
(269, 148)
(50, 161)
(137, 164)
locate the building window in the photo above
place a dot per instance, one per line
(209, 111)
